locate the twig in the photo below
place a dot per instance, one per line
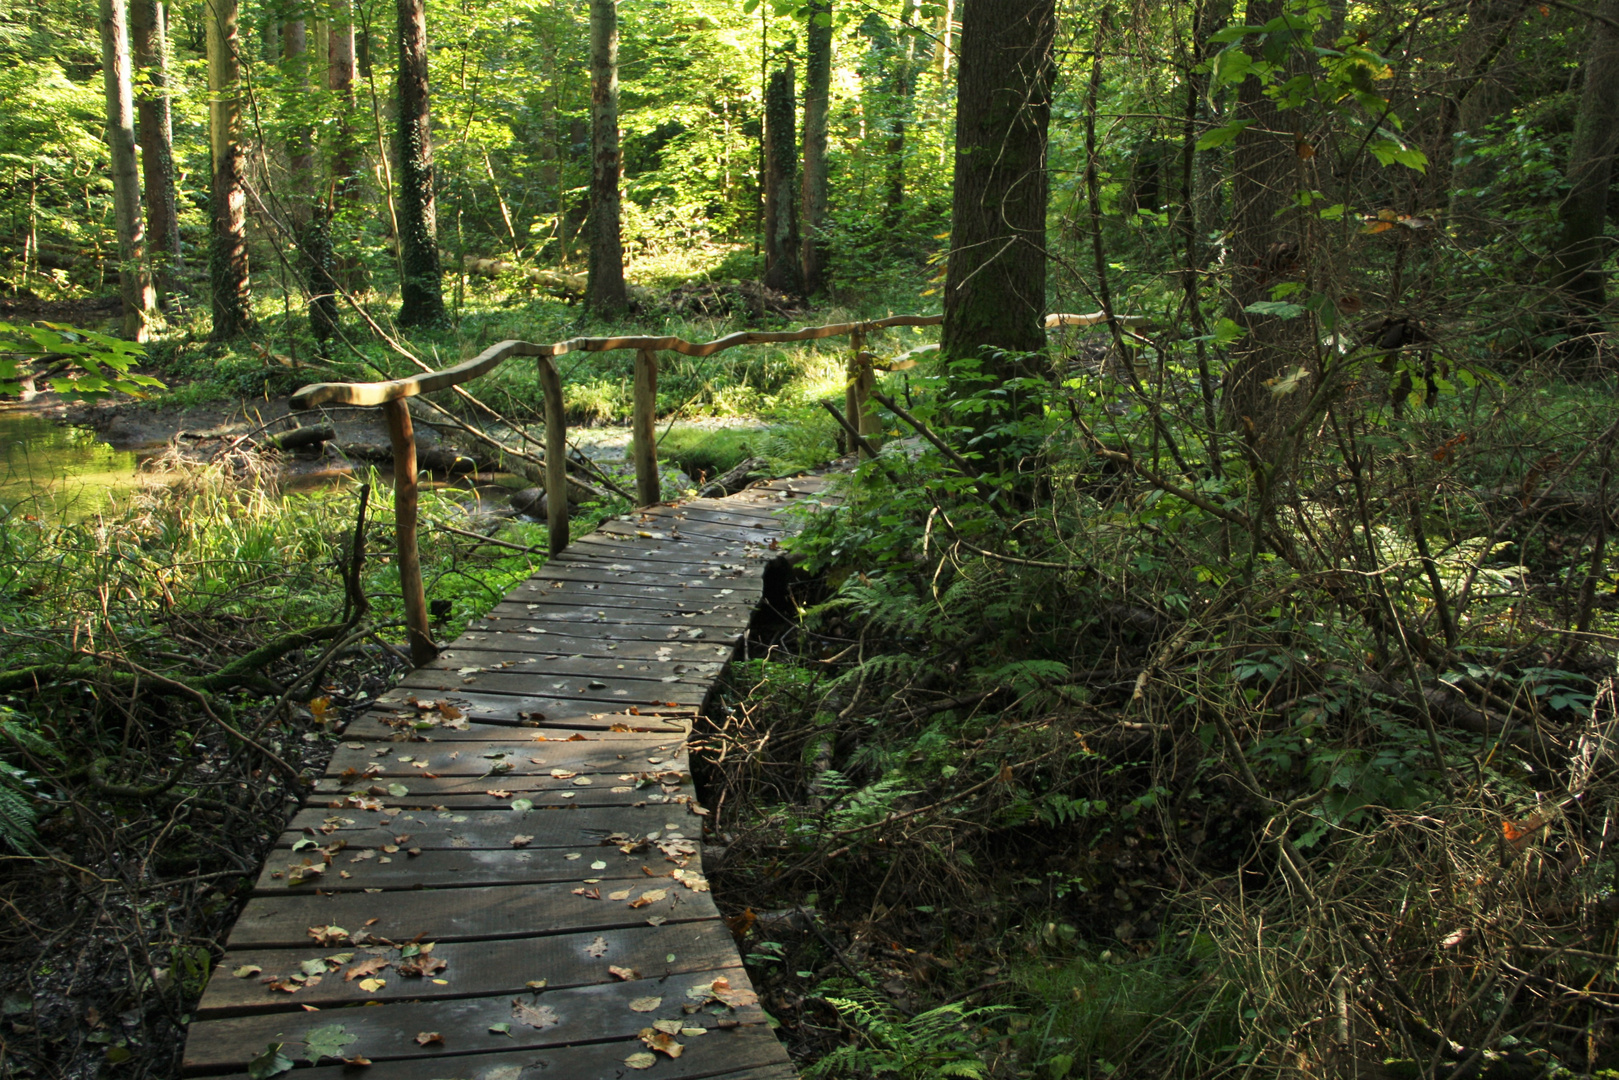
(486, 539)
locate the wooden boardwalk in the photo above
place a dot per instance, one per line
(502, 867)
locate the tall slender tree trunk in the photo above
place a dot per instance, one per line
(901, 82)
(306, 207)
(995, 283)
(604, 289)
(817, 95)
(149, 43)
(420, 288)
(782, 270)
(345, 153)
(227, 254)
(1584, 247)
(134, 275)
(1263, 252)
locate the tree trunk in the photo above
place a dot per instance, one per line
(345, 157)
(817, 95)
(605, 291)
(1264, 250)
(227, 254)
(995, 283)
(420, 288)
(1584, 247)
(149, 42)
(134, 276)
(901, 79)
(782, 271)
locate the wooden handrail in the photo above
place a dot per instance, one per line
(377, 393)
(391, 395)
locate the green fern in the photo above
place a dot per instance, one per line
(933, 1045)
(18, 818)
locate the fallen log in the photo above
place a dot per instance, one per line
(735, 480)
(300, 438)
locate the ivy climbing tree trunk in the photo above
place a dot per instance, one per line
(134, 275)
(817, 98)
(604, 289)
(227, 249)
(782, 270)
(995, 283)
(149, 44)
(421, 292)
(1584, 246)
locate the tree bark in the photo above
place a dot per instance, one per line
(995, 283)
(1264, 249)
(134, 276)
(605, 291)
(227, 254)
(817, 98)
(1584, 247)
(149, 42)
(420, 287)
(782, 270)
(345, 157)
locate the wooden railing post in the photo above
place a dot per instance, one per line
(400, 433)
(648, 487)
(556, 456)
(857, 392)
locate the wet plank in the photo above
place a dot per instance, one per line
(571, 827)
(481, 913)
(390, 865)
(388, 1033)
(751, 1046)
(472, 968)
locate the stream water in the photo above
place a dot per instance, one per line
(55, 471)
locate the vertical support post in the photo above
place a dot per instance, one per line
(556, 456)
(648, 489)
(403, 437)
(857, 392)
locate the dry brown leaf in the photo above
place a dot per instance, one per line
(627, 974)
(429, 1038)
(539, 1017)
(664, 1043)
(646, 1004)
(365, 968)
(651, 896)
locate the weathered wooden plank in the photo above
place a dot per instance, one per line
(657, 668)
(607, 584)
(652, 611)
(476, 794)
(473, 968)
(482, 913)
(376, 867)
(515, 756)
(571, 827)
(750, 1046)
(403, 722)
(388, 1033)
(556, 644)
(584, 691)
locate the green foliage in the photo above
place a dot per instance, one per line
(933, 1045)
(105, 362)
(20, 740)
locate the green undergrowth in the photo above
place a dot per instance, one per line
(1185, 757)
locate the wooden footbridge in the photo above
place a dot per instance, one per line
(500, 876)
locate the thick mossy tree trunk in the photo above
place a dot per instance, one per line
(817, 97)
(995, 284)
(1584, 246)
(421, 291)
(1264, 249)
(134, 275)
(604, 290)
(149, 44)
(227, 249)
(782, 270)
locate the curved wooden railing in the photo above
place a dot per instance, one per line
(391, 397)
